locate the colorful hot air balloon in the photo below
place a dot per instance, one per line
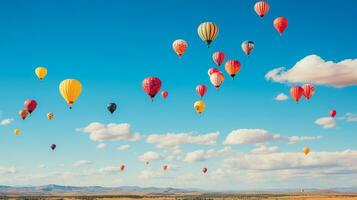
(111, 107)
(17, 132)
(217, 79)
(30, 105)
(53, 146)
(280, 24)
(41, 72)
(122, 167)
(309, 90)
(23, 114)
(179, 47)
(247, 47)
(212, 70)
(204, 170)
(207, 31)
(165, 167)
(261, 8)
(164, 94)
(333, 113)
(199, 106)
(218, 57)
(50, 116)
(232, 67)
(151, 86)
(70, 90)
(296, 93)
(201, 90)
(306, 150)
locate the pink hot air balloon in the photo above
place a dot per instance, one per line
(30, 105)
(179, 46)
(309, 90)
(212, 70)
(165, 167)
(296, 93)
(122, 167)
(201, 90)
(164, 94)
(217, 79)
(333, 113)
(151, 86)
(218, 57)
(204, 170)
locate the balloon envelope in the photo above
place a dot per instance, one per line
(111, 107)
(179, 46)
(204, 170)
(164, 94)
(151, 86)
(122, 167)
(247, 47)
(53, 146)
(333, 113)
(17, 132)
(30, 105)
(23, 113)
(212, 70)
(207, 31)
(217, 79)
(201, 90)
(50, 116)
(218, 57)
(296, 92)
(309, 90)
(70, 90)
(306, 150)
(232, 67)
(261, 8)
(280, 24)
(199, 106)
(41, 72)
(165, 167)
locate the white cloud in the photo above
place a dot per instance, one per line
(281, 97)
(6, 121)
(202, 155)
(109, 132)
(123, 147)
(81, 163)
(246, 136)
(313, 69)
(326, 122)
(350, 117)
(41, 166)
(150, 156)
(262, 149)
(150, 174)
(295, 139)
(8, 170)
(108, 170)
(101, 146)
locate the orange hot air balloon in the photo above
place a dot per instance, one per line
(164, 94)
(306, 150)
(23, 114)
(218, 57)
(50, 116)
(212, 70)
(296, 93)
(204, 170)
(280, 24)
(232, 67)
(309, 90)
(179, 47)
(261, 8)
(217, 79)
(165, 167)
(122, 168)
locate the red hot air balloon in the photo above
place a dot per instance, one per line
(212, 70)
(296, 93)
(122, 167)
(309, 90)
(201, 90)
(151, 86)
(333, 113)
(164, 94)
(280, 24)
(204, 170)
(165, 167)
(30, 105)
(218, 57)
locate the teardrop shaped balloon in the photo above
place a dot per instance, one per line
(151, 86)
(232, 67)
(212, 70)
(261, 8)
(17, 132)
(306, 150)
(309, 90)
(218, 57)
(41, 72)
(23, 113)
(199, 106)
(333, 113)
(280, 24)
(53, 146)
(122, 168)
(30, 105)
(247, 47)
(70, 90)
(204, 170)
(217, 79)
(179, 46)
(296, 93)
(112, 107)
(165, 167)
(164, 94)
(50, 116)
(207, 31)
(201, 90)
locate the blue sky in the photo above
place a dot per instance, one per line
(111, 46)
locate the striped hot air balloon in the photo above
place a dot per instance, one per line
(309, 90)
(207, 31)
(232, 67)
(201, 90)
(296, 93)
(218, 57)
(261, 8)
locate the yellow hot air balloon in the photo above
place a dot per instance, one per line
(50, 115)
(199, 106)
(41, 72)
(306, 150)
(17, 132)
(207, 31)
(70, 90)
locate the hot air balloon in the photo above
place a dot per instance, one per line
(207, 31)
(306, 150)
(280, 24)
(217, 79)
(309, 90)
(70, 90)
(218, 57)
(147, 162)
(261, 8)
(204, 170)
(165, 167)
(212, 70)
(199, 106)
(30, 105)
(333, 113)
(296, 93)
(247, 47)
(201, 90)
(232, 67)
(17, 132)
(23, 114)
(151, 86)
(179, 47)
(111, 107)
(53, 146)
(122, 167)
(50, 116)
(41, 72)
(164, 94)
